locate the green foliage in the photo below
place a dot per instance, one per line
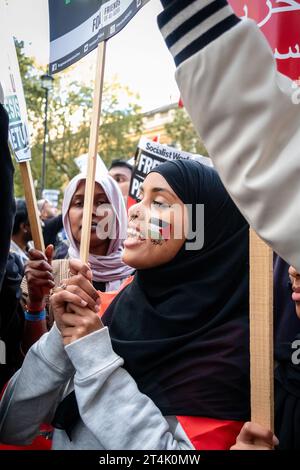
(118, 124)
(34, 96)
(69, 116)
(183, 134)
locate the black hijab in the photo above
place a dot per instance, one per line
(182, 328)
(286, 322)
(287, 373)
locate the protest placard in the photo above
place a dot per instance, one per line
(77, 27)
(149, 155)
(14, 100)
(82, 164)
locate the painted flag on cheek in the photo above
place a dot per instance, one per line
(159, 229)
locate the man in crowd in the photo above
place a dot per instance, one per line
(10, 269)
(21, 231)
(46, 208)
(121, 172)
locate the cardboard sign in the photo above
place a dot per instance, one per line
(82, 164)
(12, 91)
(77, 26)
(151, 154)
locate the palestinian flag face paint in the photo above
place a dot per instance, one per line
(159, 230)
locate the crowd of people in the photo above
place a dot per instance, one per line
(147, 345)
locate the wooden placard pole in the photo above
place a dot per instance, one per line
(92, 158)
(261, 332)
(33, 213)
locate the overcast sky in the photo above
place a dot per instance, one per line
(137, 55)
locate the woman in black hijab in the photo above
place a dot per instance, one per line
(181, 328)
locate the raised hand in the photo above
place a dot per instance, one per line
(81, 322)
(76, 304)
(73, 318)
(39, 277)
(255, 437)
(79, 283)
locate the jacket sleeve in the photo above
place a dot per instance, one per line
(244, 110)
(110, 404)
(33, 393)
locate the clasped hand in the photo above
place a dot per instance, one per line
(76, 304)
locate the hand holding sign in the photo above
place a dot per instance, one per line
(39, 277)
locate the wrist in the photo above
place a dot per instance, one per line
(39, 315)
(35, 306)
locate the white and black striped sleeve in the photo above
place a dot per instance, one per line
(244, 111)
(188, 26)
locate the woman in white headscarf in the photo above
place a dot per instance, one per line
(108, 231)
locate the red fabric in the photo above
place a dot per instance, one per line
(130, 202)
(279, 21)
(39, 443)
(210, 434)
(108, 297)
(2, 391)
(204, 434)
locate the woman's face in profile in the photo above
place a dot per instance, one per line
(156, 225)
(295, 280)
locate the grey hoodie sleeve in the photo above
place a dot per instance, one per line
(110, 404)
(33, 393)
(246, 113)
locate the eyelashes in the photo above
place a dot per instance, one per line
(158, 204)
(81, 203)
(161, 205)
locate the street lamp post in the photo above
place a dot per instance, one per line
(47, 85)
